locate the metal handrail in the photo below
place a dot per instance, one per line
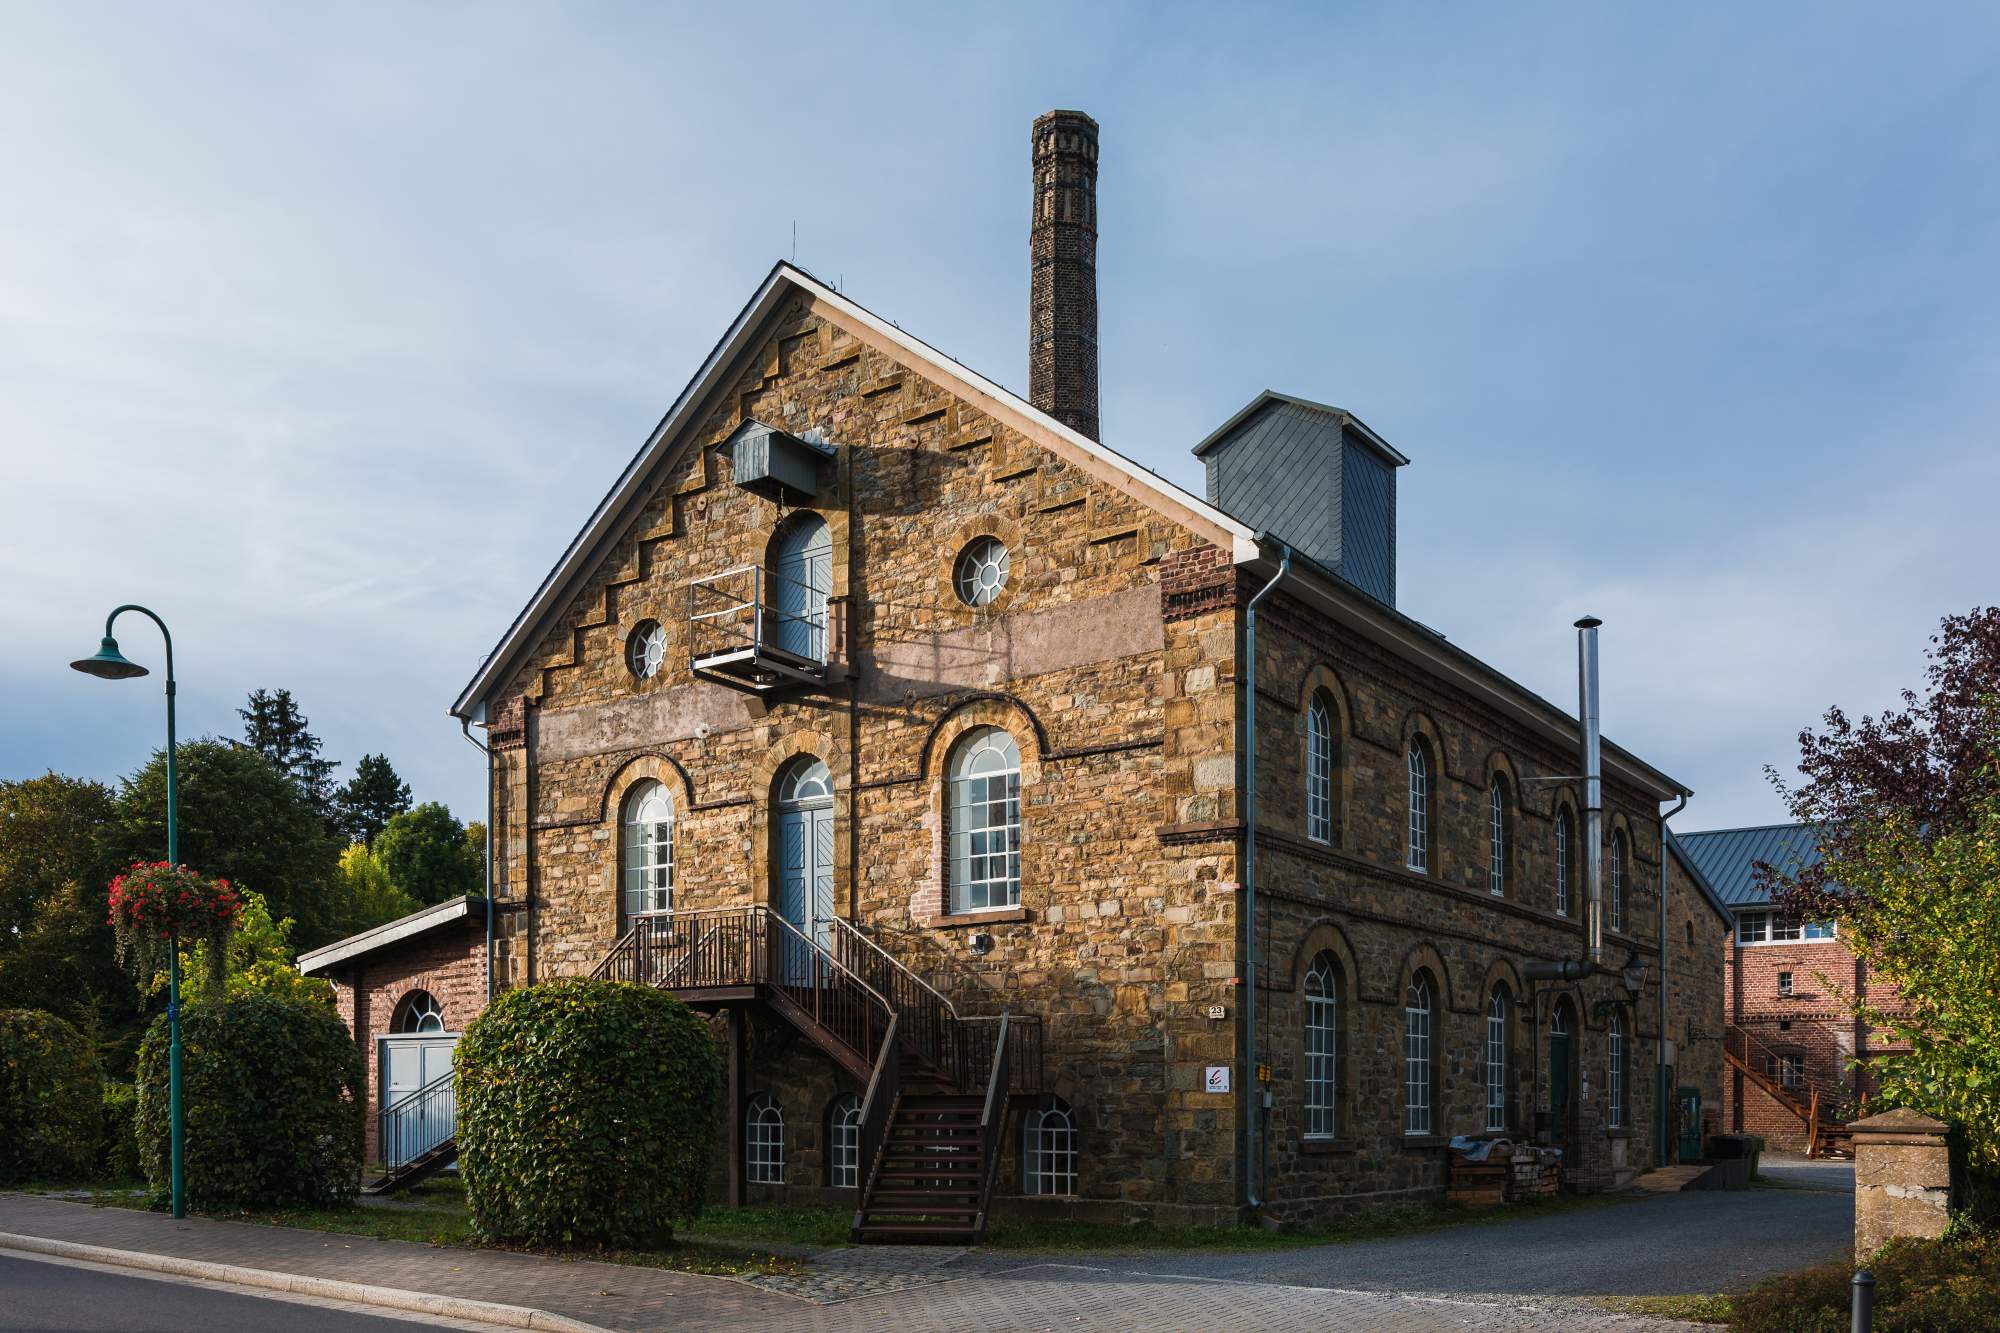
(437, 1097)
(992, 1118)
(762, 612)
(855, 932)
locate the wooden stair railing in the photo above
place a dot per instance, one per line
(1824, 1133)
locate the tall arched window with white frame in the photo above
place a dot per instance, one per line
(764, 1141)
(983, 822)
(647, 856)
(1616, 1031)
(1565, 840)
(1319, 769)
(1618, 881)
(1497, 837)
(1498, 1010)
(1322, 1020)
(844, 1124)
(1417, 1014)
(1419, 858)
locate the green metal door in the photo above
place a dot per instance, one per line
(1559, 1074)
(1690, 1141)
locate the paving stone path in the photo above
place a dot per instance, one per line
(846, 1291)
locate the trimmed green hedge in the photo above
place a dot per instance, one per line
(1921, 1286)
(118, 1146)
(273, 1089)
(586, 1114)
(49, 1111)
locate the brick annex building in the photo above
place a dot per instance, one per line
(874, 694)
(1793, 1041)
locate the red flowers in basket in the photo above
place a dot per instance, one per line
(154, 904)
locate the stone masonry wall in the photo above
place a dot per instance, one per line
(1696, 937)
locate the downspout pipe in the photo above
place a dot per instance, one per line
(1663, 1148)
(465, 728)
(1590, 745)
(1252, 1187)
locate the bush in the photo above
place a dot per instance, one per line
(1921, 1286)
(118, 1144)
(273, 1091)
(48, 1099)
(586, 1114)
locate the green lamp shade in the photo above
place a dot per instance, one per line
(109, 663)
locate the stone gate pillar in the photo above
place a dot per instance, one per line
(1902, 1179)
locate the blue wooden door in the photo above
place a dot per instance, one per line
(801, 577)
(805, 882)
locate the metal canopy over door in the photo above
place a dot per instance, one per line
(801, 579)
(410, 1065)
(805, 860)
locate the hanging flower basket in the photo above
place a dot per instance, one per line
(156, 907)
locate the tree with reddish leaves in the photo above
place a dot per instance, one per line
(1931, 761)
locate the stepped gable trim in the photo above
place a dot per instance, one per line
(402, 929)
(677, 429)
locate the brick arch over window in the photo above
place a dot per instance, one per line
(1323, 685)
(1425, 957)
(659, 768)
(931, 898)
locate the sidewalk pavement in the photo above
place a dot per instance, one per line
(978, 1293)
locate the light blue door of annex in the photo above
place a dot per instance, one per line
(805, 863)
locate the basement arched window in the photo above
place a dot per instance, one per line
(844, 1137)
(764, 1142)
(1048, 1148)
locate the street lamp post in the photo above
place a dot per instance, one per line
(109, 664)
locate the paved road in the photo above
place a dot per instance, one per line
(38, 1297)
(1700, 1241)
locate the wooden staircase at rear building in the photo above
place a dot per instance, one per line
(939, 1084)
(1826, 1134)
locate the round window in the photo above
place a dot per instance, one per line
(646, 649)
(981, 572)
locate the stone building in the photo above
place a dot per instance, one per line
(873, 691)
(1795, 1047)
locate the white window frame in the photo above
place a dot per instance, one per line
(1756, 927)
(1048, 1149)
(1322, 1055)
(1498, 1011)
(1565, 845)
(1319, 770)
(983, 822)
(1619, 855)
(1418, 1009)
(764, 1141)
(844, 1124)
(1615, 1035)
(1496, 869)
(646, 851)
(422, 1007)
(982, 556)
(1785, 984)
(1419, 850)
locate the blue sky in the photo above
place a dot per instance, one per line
(323, 328)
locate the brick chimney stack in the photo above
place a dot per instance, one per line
(1062, 295)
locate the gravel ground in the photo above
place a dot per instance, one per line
(1806, 1172)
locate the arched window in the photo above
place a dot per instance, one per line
(844, 1139)
(1618, 881)
(1417, 1056)
(1498, 1011)
(419, 1012)
(764, 1142)
(1498, 836)
(1322, 1018)
(648, 854)
(1319, 769)
(1617, 1080)
(1048, 1148)
(1420, 808)
(1565, 840)
(983, 814)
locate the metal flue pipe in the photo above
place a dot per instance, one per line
(1590, 743)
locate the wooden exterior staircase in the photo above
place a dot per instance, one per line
(1817, 1105)
(939, 1085)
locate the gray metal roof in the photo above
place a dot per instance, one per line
(1701, 881)
(1726, 856)
(420, 922)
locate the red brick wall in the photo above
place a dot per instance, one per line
(1814, 1022)
(450, 964)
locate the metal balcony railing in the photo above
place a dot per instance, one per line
(757, 629)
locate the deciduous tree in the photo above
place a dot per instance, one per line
(427, 856)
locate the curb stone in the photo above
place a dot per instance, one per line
(324, 1288)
